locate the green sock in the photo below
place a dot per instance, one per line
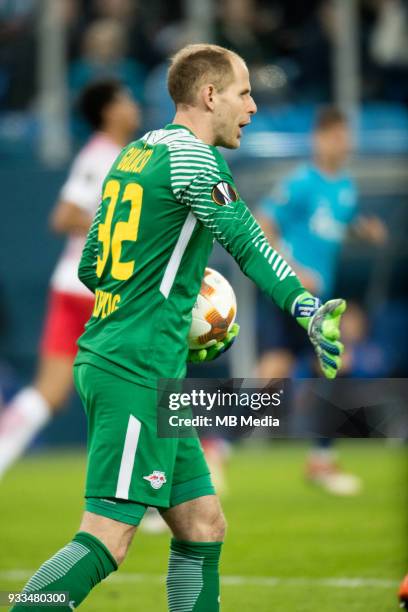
(75, 569)
(193, 583)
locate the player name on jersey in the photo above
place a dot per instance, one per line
(134, 159)
(105, 303)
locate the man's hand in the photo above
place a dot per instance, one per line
(68, 218)
(214, 351)
(322, 323)
(372, 229)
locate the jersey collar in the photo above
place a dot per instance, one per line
(328, 178)
(176, 126)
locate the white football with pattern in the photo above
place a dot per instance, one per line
(214, 311)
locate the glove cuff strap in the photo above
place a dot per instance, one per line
(305, 306)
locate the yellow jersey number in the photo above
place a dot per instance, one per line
(123, 230)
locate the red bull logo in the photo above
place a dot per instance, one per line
(157, 479)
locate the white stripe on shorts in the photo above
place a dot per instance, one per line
(128, 458)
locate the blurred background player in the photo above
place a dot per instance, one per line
(364, 356)
(403, 593)
(114, 117)
(308, 217)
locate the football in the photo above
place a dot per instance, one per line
(214, 311)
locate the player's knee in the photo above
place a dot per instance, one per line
(116, 536)
(119, 552)
(219, 528)
(118, 549)
(210, 529)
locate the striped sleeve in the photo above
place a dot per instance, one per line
(209, 191)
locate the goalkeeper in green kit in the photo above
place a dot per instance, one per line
(164, 201)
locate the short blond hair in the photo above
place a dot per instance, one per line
(194, 65)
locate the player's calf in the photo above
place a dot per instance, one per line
(197, 520)
(95, 552)
(75, 569)
(193, 575)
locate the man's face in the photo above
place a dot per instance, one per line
(333, 143)
(233, 108)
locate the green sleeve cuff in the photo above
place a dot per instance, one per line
(286, 292)
(292, 297)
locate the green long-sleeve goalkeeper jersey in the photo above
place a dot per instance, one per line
(164, 201)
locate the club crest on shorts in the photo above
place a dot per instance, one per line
(223, 193)
(157, 479)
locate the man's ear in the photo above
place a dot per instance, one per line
(207, 96)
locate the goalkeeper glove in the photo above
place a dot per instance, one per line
(322, 321)
(214, 351)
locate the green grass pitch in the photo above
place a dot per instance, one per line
(290, 547)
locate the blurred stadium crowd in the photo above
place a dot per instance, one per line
(287, 43)
(289, 46)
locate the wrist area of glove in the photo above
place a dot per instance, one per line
(304, 308)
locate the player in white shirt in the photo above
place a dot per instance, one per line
(114, 117)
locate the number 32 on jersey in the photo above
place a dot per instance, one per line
(123, 230)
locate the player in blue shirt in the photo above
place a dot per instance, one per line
(308, 215)
(312, 212)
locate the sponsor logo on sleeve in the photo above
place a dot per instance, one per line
(223, 193)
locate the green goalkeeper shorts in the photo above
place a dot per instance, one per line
(129, 466)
